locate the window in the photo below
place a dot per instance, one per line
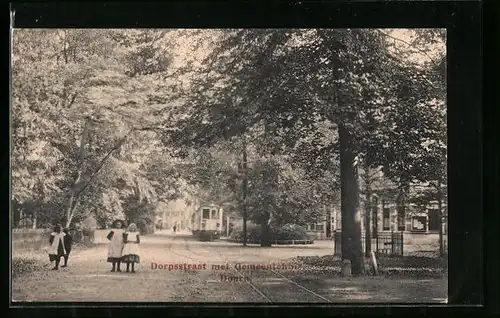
(315, 227)
(386, 219)
(434, 222)
(206, 214)
(419, 223)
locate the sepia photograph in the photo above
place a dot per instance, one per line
(229, 165)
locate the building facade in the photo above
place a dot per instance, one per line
(422, 218)
(177, 213)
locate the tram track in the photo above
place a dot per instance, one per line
(260, 288)
(232, 268)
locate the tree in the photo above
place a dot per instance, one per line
(294, 82)
(77, 99)
(255, 70)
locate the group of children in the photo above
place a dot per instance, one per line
(123, 246)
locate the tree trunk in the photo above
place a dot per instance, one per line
(351, 219)
(265, 240)
(245, 190)
(81, 157)
(402, 202)
(368, 204)
(71, 207)
(440, 208)
(270, 182)
(34, 219)
(21, 216)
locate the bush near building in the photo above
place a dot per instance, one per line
(287, 232)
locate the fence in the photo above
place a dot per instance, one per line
(386, 243)
(37, 239)
(29, 240)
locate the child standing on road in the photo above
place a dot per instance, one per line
(115, 247)
(131, 248)
(56, 249)
(68, 241)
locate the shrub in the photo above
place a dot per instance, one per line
(290, 232)
(253, 232)
(285, 232)
(22, 265)
(204, 236)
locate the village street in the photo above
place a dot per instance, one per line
(88, 277)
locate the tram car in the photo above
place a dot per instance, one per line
(206, 222)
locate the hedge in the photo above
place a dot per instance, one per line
(286, 234)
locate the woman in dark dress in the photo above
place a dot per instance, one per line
(57, 248)
(68, 241)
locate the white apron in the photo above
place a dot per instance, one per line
(116, 244)
(58, 237)
(131, 248)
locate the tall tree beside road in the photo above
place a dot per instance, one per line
(295, 82)
(79, 97)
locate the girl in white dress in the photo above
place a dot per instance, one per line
(115, 246)
(57, 248)
(131, 248)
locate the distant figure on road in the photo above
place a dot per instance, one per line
(174, 228)
(56, 249)
(68, 241)
(115, 247)
(131, 248)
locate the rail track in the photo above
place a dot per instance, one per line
(260, 288)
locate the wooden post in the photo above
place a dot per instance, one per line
(227, 226)
(346, 268)
(373, 263)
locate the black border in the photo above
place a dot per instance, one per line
(491, 182)
(463, 21)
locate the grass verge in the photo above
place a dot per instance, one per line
(405, 266)
(24, 263)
